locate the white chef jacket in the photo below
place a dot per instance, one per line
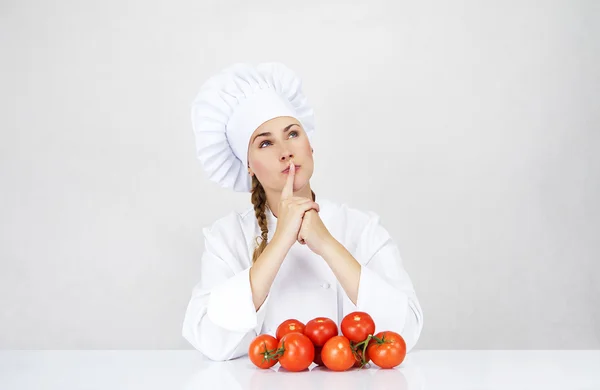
(221, 320)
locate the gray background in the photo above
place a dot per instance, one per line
(472, 128)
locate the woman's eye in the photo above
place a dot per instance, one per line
(265, 142)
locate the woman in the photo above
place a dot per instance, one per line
(290, 255)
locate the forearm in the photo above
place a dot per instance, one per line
(344, 266)
(265, 269)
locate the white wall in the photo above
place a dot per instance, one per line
(471, 127)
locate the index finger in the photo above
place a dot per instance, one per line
(288, 189)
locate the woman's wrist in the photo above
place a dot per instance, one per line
(279, 244)
(330, 245)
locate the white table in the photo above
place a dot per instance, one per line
(187, 369)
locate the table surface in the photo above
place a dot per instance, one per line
(188, 369)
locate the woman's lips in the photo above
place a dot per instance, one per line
(287, 170)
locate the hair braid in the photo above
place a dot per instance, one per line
(259, 200)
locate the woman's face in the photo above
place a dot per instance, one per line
(270, 154)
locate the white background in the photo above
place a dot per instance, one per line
(472, 128)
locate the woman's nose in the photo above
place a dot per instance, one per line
(287, 156)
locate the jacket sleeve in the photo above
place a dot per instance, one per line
(221, 320)
(385, 290)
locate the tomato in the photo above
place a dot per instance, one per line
(337, 354)
(297, 351)
(388, 353)
(358, 362)
(320, 329)
(289, 326)
(260, 350)
(317, 360)
(357, 326)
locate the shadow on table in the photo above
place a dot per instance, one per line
(242, 374)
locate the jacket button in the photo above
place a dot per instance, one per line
(325, 285)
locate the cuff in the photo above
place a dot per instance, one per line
(387, 305)
(230, 305)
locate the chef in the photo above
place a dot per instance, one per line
(291, 254)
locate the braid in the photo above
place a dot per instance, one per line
(259, 200)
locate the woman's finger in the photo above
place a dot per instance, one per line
(288, 189)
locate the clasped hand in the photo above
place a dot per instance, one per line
(299, 219)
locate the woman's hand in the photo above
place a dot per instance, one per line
(291, 212)
(314, 233)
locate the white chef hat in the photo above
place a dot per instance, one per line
(232, 104)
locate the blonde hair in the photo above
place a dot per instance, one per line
(259, 200)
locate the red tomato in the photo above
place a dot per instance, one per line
(317, 360)
(260, 349)
(289, 326)
(357, 326)
(320, 329)
(390, 353)
(298, 352)
(337, 354)
(357, 361)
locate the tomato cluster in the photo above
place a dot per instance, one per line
(297, 345)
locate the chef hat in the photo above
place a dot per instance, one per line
(231, 105)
